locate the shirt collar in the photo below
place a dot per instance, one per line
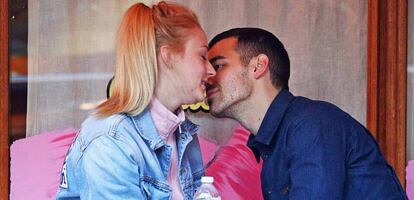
(165, 121)
(271, 121)
(145, 127)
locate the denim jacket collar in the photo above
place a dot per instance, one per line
(145, 126)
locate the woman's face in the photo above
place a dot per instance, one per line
(193, 68)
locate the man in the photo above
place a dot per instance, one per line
(310, 149)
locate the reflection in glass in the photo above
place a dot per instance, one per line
(18, 23)
(410, 83)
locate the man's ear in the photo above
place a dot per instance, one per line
(261, 65)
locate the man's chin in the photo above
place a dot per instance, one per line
(216, 112)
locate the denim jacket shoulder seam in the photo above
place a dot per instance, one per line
(83, 149)
(113, 129)
(127, 146)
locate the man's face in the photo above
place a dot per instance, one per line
(231, 86)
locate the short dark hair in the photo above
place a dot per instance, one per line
(254, 41)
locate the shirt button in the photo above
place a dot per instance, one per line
(183, 170)
(285, 190)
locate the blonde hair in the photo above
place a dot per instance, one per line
(143, 30)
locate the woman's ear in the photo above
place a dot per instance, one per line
(165, 56)
(261, 65)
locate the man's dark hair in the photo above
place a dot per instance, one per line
(254, 41)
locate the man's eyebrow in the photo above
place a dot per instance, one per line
(215, 58)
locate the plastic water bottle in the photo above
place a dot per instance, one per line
(207, 191)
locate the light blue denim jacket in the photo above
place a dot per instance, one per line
(123, 157)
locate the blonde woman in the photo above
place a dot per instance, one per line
(138, 144)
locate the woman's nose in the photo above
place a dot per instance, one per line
(210, 70)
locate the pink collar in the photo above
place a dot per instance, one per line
(165, 121)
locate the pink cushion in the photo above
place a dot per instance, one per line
(36, 163)
(235, 170)
(410, 179)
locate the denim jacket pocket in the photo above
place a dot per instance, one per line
(197, 176)
(155, 189)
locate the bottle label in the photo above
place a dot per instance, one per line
(207, 196)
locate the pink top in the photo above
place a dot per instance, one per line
(166, 123)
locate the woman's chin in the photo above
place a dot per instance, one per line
(196, 97)
(192, 101)
(202, 97)
(199, 98)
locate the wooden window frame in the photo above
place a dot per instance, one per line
(387, 79)
(386, 84)
(4, 100)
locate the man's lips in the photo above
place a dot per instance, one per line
(211, 92)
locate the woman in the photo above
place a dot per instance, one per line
(138, 144)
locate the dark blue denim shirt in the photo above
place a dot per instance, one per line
(314, 150)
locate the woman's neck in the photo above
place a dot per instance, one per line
(168, 100)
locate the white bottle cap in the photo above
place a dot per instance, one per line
(207, 179)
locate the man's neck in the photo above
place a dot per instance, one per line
(251, 116)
